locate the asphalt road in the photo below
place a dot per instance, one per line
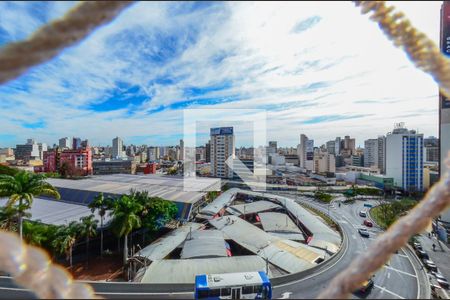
(397, 280)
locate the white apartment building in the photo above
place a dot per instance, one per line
(222, 147)
(117, 148)
(404, 158)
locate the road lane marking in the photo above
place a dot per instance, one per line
(388, 275)
(403, 255)
(388, 291)
(400, 271)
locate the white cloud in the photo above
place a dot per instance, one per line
(250, 46)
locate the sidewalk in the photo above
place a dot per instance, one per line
(441, 257)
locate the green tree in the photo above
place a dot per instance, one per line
(101, 204)
(66, 237)
(88, 229)
(22, 188)
(125, 214)
(8, 170)
(8, 218)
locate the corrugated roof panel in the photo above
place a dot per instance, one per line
(185, 270)
(251, 208)
(162, 247)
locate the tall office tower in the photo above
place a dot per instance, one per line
(117, 148)
(272, 147)
(65, 142)
(302, 151)
(208, 152)
(331, 147)
(222, 148)
(371, 153)
(76, 143)
(444, 107)
(306, 153)
(382, 154)
(181, 150)
(404, 158)
(162, 151)
(85, 144)
(337, 146)
(349, 145)
(431, 149)
(42, 148)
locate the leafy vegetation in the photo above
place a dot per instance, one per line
(21, 190)
(323, 197)
(101, 205)
(386, 213)
(366, 191)
(5, 170)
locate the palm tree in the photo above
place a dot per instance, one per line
(66, 238)
(23, 187)
(88, 228)
(101, 204)
(125, 213)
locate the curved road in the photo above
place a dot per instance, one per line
(397, 280)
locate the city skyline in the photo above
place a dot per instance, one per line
(244, 55)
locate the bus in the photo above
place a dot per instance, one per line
(246, 285)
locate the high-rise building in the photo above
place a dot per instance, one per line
(272, 147)
(404, 158)
(382, 154)
(331, 147)
(117, 148)
(337, 146)
(431, 149)
(222, 148)
(302, 151)
(27, 152)
(181, 150)
(42, 148)
(324, 162)
(349, 145)
(65, 143)
(76, 143)
(208, 152)
(444, 109)
(371, 153)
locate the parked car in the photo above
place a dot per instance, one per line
(422, 254)
(429, 264)
(417, 246)
(368, 223)
(366, 286)
(441, 280)
(363, 214)
(363, 232)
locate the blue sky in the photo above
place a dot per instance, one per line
(322, 69)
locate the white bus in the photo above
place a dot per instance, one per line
(247, 285)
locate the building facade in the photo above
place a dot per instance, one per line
(80, 160)
(404, 158)
(222, 148)
(106, 167)
(117, 148)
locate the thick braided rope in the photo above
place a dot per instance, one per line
(51, 39)
(427, 57)
(435, 201)
(419, 48)
(31, 268)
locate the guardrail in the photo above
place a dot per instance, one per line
(134, 288)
